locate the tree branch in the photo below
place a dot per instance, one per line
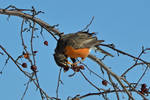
(43, 24)
(95, 59)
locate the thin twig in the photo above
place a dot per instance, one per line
(88, 24)
(21, 34)
(92, 71)
(37, 80)
(34, 61)
(27, 86)
(31, 44)
(90, 81)
(25, 73)
(114, 86)
(141, 76)
(58, 82)
(124, 73)
(43, 24)
(132, 88)
(13, 60)
(124, 53)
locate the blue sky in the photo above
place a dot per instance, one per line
(126, 23)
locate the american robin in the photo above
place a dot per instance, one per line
(76, 45)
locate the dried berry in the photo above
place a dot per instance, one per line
(82, 67)
(46, 43)
(76, 69)
(143, 86)
(66, 69)
(24, 65)
(144, 89)
(104, 82)
(26, 55)
(35, 51)
(33, 68)
(77, 98)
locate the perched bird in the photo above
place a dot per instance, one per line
(76, 45)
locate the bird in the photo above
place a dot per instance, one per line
(76, 45)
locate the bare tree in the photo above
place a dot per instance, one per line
(118, 83)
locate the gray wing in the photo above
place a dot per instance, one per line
(85, 40)
(80, 40)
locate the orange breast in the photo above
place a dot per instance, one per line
(75, 53)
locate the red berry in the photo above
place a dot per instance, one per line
(24, 65)
(145, 90)
(66, 69)
(104, 82)
(143, 86)
(35, 51)
(46, 43)
(82, 67)
(33, 68)
(76, 69)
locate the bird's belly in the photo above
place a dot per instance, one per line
(75, 53)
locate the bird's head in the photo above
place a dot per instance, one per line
(61, 60)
